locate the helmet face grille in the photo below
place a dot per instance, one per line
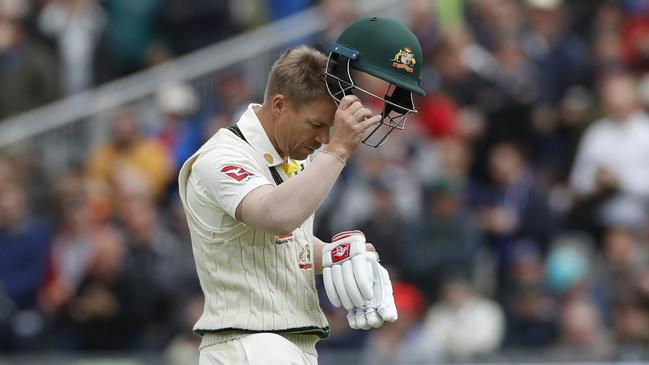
(337, 77)
(397, 102)
(377, 136)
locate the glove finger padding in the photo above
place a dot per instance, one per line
(339, 284)
(361, 268)
(330, 289)
(346, 273)
(351, 285)
(373, 318)
(383, 297)
(361, 319)
(374, 312)
(351, 319)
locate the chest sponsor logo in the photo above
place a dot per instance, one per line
(340, 253)
(237, 173)
(284, 239)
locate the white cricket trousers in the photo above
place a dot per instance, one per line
(256, 349)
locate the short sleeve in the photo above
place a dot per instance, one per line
(226, 176)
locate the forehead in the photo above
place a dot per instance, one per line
(321, 109)
(369, 82)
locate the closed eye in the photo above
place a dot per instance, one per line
(317, 125)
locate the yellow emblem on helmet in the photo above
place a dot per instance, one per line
(404, 59)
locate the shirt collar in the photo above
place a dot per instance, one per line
(255, 134)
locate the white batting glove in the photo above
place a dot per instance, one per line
(381, 307)
(346, 272)
(383, 301)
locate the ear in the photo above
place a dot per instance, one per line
(278, 104)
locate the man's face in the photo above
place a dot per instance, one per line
(125, 129)
(619, 96)
(302, 130)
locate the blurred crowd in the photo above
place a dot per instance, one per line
(512, 212)
(54, 48)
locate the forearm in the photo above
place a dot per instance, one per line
(287, 206)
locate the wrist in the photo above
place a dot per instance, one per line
(342, 153)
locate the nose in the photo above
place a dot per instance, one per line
(323, 137)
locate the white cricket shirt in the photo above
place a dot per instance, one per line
(252, 280)
(622, 147)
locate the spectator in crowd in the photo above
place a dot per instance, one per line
(624, 252)
(582, 332)
(439, 116)
(532, 322)
(611, 152)
(128, 158)
(607, 40)
(155, 254)
(465, 85)
(561, 56)
(74, 244)
(233, 92)
(181, 133)
(28, 70)
(568, 266)
(531, 311)
(635, 37)
(24, 243)
(76, 27)
(338, 15)
(515, 93)
(384, 227)
(631, 324)
(557, 131)
(423, 23)
(513, 207)
(447, 237)
(464, 324)
(354, 198)
(447, 159)
(101, 315)
(133, 38)
(25, 240)
(492, 20)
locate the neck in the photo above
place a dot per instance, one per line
(265, 116)
(622, 116)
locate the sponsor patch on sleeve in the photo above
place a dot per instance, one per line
(237, 173)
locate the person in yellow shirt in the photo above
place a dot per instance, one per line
(129, 161)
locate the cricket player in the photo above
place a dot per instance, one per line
(250, 193)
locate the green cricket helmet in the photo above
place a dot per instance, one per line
(385, 49)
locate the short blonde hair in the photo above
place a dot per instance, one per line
(298, 74)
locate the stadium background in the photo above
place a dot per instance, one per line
(501, 249)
